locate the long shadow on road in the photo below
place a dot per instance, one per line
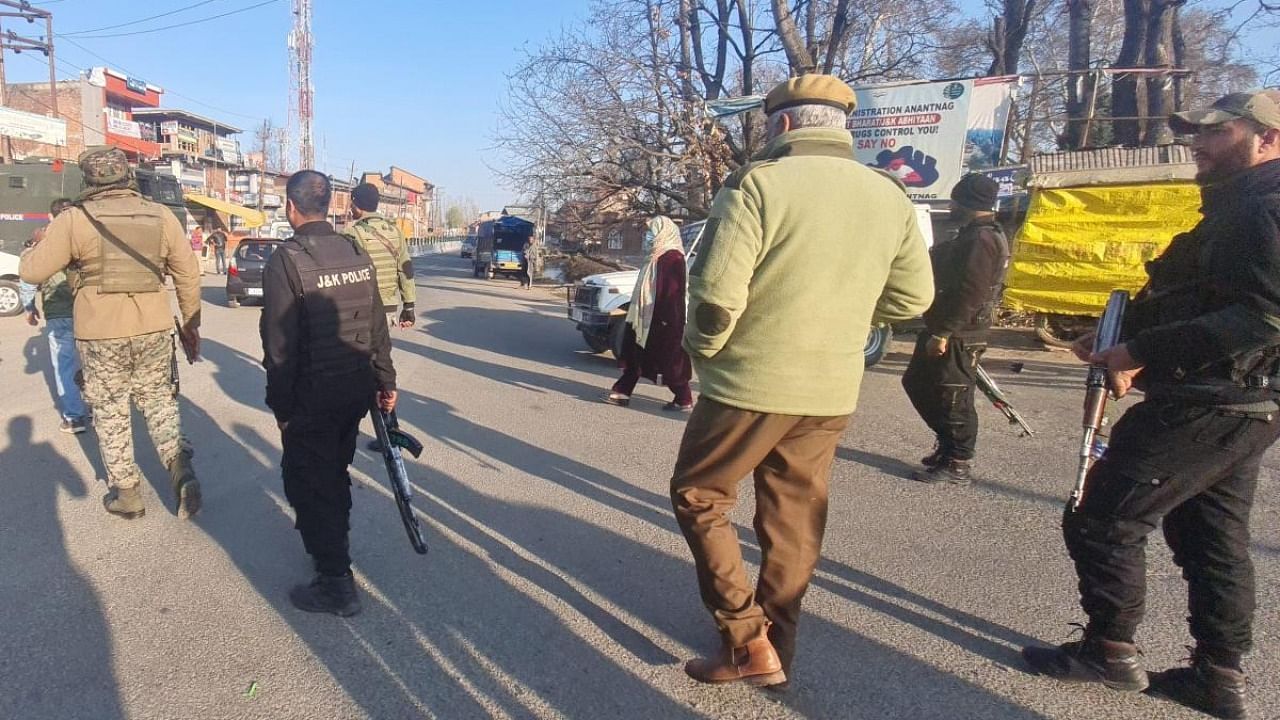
(55, 647)
(643, 581)
(448, 635)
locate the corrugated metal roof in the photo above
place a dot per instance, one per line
(1112, 165)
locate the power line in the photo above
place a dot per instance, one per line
(177, 25)
(141, 20)
(171, 92)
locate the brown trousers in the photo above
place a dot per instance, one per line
(790, 458)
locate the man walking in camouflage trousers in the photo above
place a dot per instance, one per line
(119, 247)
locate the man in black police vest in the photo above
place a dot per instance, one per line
(327, 352)
(968, 275)
(1202, 340)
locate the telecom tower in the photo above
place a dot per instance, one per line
(300, 65)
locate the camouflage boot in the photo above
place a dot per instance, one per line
(125, 503)
(182, 478)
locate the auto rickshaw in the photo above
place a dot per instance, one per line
(500, 247)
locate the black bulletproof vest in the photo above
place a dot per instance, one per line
(337, 287)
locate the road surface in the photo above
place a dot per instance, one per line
(558, 584)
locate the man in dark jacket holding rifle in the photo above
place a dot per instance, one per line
(1202, 340)
(327, 352)
(968, 275)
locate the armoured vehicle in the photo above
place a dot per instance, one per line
(27, 188)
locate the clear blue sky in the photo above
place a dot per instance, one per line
(415, 83)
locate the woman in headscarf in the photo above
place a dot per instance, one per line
(655, 322)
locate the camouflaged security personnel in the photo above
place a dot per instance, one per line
(119, 247)
(386, 246)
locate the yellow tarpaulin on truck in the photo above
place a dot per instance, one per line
(1080, 243)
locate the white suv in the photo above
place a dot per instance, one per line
(598, 303)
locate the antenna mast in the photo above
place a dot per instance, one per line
(300, 61)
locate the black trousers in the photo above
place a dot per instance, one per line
(319, 445)
(941, 389)
(1194, 470)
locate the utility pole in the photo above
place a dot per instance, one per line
(17, 43)
(300, 44)
(264, 142)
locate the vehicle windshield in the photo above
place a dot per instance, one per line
(260, 252)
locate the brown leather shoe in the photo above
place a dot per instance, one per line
(755, 663)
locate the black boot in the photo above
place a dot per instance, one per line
(935, 458)
(956, 472)
(1213, 689)
(334, 594)
(1091, 659)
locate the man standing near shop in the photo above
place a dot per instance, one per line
(218, 239)
(328, 355)
(803, 249)
(56, 301)
(386, 246)
(968, 273)
(122, 246)
(1202, 340)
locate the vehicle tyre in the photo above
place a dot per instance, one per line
(618, 335)
(1061, 330)
(10, 300)
(597, 343)
(877, 344)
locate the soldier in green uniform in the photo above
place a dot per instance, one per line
(120, 246)
(386, 246)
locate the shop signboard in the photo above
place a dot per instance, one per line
(29, 126)
(122, 127)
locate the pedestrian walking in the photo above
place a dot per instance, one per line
(387, 248)
(1202, 341)
(56, 300)
(804, 248)
(968, 277)
(122, 246)
(526, 273)
(655, 322)
(218, 239)
(328, 357)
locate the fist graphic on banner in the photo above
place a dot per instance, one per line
(913, 167)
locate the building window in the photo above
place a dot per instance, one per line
(615, 239)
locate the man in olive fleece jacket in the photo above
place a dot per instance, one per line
(803, 250)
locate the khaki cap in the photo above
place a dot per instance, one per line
(811, 90)
(1261, 106)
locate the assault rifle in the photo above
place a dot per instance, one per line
(392, 439)
(997, 397)
(1097, 387)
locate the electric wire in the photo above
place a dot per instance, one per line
(178, 25)
(140, 20)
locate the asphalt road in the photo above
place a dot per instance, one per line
(557, 584)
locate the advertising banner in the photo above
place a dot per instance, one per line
(29, 126)
(989, 107)
(915, 132)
